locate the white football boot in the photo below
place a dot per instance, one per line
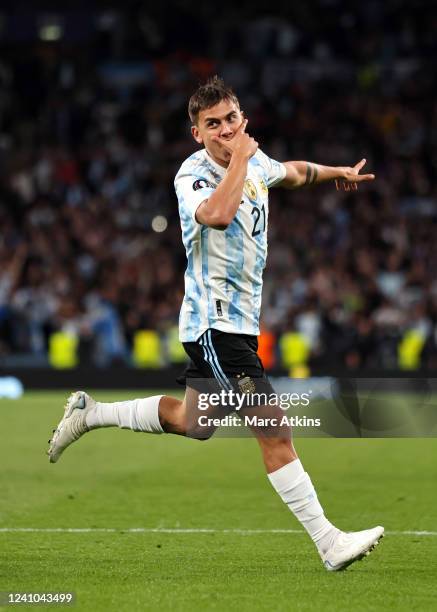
(73, 424)
(349, 547)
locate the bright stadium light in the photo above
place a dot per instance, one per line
(159, 223)
(50, 32)
(50, 29)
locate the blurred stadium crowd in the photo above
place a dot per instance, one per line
(93, 127)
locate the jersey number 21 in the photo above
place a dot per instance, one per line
(257, 213)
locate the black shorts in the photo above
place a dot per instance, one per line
(219, 360)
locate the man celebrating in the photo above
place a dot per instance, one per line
(222, 191)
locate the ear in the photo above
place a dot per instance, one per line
(196, 134)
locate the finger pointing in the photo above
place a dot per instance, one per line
(360, 164)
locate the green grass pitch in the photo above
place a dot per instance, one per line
(120, 480)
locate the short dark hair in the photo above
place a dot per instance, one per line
(209, 94)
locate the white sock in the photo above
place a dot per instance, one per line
(138, 415)
(295, 488)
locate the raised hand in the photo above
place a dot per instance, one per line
(350, 177)
(240, 144)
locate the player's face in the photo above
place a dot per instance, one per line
(222, 121)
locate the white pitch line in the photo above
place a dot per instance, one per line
(177, 530)
(143, 530)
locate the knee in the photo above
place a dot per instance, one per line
(201, 433)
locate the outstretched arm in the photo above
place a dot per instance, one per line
(301, 173)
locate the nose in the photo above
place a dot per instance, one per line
(225, 130)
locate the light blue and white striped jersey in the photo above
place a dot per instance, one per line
(223, 279)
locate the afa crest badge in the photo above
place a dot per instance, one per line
(250, 189)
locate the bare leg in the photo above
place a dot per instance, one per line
(180, 417)
(275, 442)
(172, 415)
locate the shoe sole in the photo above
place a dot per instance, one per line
(359, 557)
(71, 404)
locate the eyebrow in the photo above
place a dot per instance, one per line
(207, 119)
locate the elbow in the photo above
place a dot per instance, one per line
(222, 223)
(213, 217)
(219, 222)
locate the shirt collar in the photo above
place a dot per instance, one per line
(214, 165)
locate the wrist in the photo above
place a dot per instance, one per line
(239, 158)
